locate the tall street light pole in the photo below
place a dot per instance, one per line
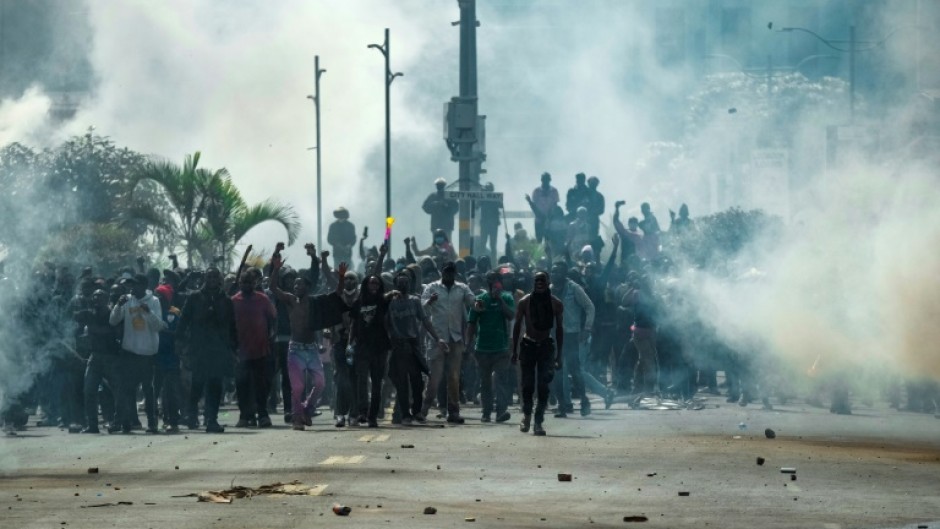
(389, 77)
(316, 103)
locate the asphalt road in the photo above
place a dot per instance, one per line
(877, 468)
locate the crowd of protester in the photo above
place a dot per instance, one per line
(425, 335)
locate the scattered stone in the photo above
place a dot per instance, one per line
(469, 519)
(430, 510)
(341, 510)
(684, 493)
(792, 477)
(177, 467)
(760, 461)
(635, 519)
(93, 470)
(564, 477)
(408, 446)
(770, 434)
(650, 474)
(787, 470)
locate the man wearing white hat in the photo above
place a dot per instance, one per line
(342, 236)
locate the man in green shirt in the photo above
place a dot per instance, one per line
(489, 326)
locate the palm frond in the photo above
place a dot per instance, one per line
(266, 211)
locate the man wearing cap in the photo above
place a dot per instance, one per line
(446, 302)
(342, 236)
(441, 209)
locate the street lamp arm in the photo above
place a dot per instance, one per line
(380, 48)
(391, 77)
(818, 37)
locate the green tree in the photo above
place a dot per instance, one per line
(208, 215)
(229, 218)
(186, 189)
(82, 186)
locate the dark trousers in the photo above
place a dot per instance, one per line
(211, 385)
(101, 369)
(495, 377)
(168, 386)
(537, 363)
(344, 376)
(370, 365)
(73, 376)
(280, 358)
(137, 372)
(252, 379)
(406, 375)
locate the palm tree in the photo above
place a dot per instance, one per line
(186, 189)
(228, 218)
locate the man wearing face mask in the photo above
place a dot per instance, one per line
(537, 355)
(404, 315)
(447, 302)
(491, 313)
(344, 375)
(206, 340)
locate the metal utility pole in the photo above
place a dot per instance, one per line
(852, 51)
(464, 127)
(389, 77)
(316, 103)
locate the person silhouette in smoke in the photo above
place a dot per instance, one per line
(578, 196)
(682, 223)
(341, 236)
(595, 208)
(441, 209)
(543, 200)
(651, 231)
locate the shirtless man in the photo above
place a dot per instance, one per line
(537, 355)
(303, 353)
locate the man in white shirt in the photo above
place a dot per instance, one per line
(446, 302)
(142, 317)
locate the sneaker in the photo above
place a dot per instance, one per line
(455, 419)
(486, 418)
(299, 426)
(538, 430)
(214, 427)
(265, 422)
(288, 418)
(91, 429)
(341, 421)
(242, 423)
(171, 428)
(421, 418)
(354, 421)
(114, 428)
(152, 429)
(561, 415)
(503, 417)
(75, 428)
(524, 425)
(407, 421)
(253, 423)
(307, 420)
(585, 408)
(609, 399)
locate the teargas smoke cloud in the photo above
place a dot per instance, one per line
(567, 87)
